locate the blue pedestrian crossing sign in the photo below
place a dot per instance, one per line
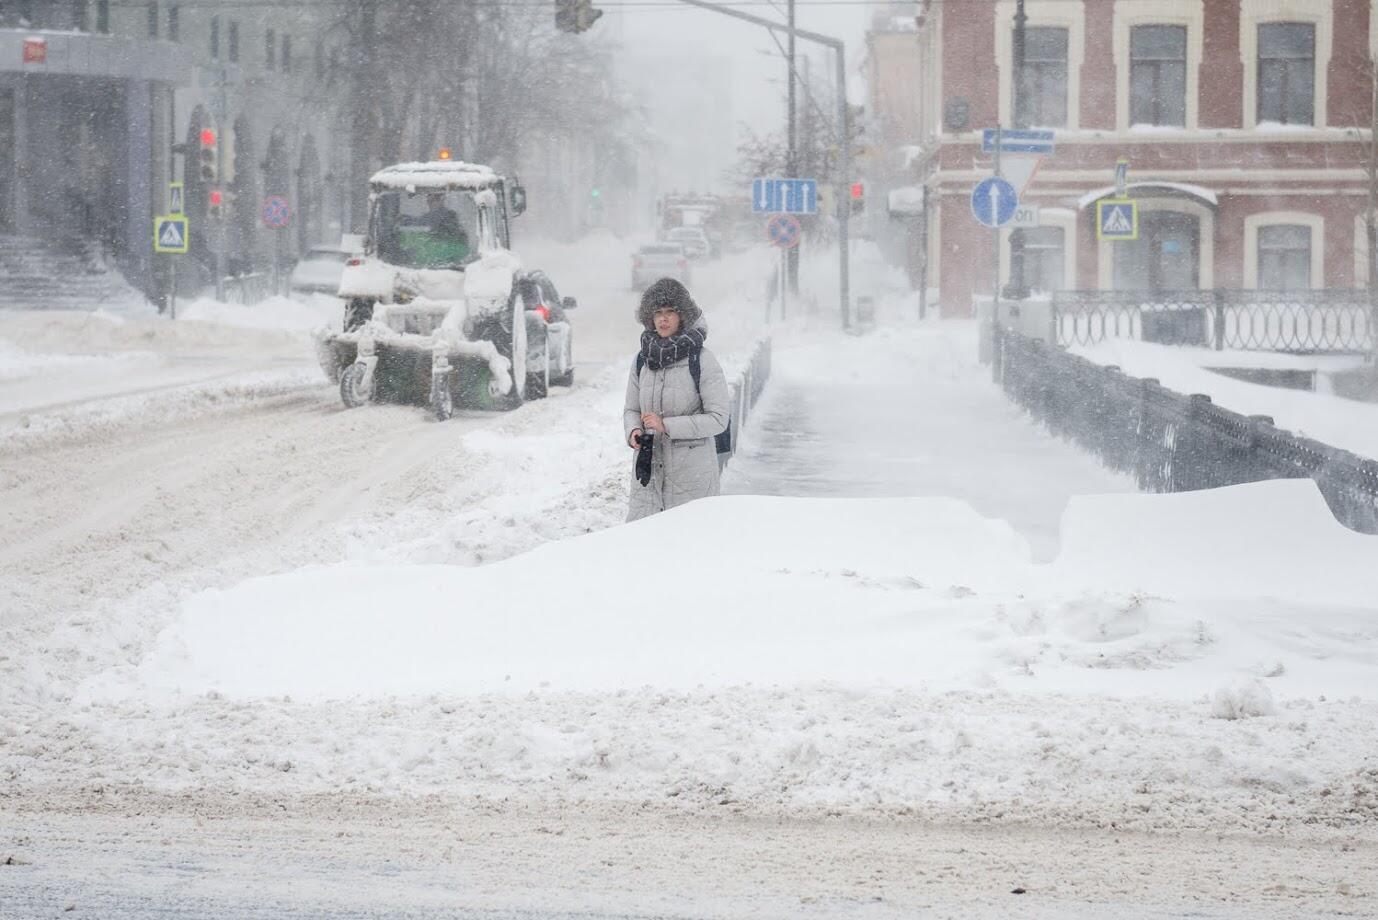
(784, 196)
(994, 201)
(1117, 219)
(170, 233)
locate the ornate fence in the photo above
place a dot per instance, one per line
(1176, 443)
(1327, 321)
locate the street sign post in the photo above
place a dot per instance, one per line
(1121, 178)
(175, 201)
(784, 232)
(994, 201)
(1117, 219)
(784, 196)
(170, 236)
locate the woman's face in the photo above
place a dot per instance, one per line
(666, 322)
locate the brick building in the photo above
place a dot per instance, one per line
(1245, 124)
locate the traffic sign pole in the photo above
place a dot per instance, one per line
(995, 280)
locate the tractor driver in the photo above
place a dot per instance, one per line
(440, 221)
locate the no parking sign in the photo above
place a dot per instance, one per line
(277, 213)
(783, 231)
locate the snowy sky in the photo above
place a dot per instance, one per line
(757, 69)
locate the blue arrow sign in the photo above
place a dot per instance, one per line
(994, 201)
(784, 196)
(1018, 141)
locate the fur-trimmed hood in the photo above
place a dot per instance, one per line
(667, 292)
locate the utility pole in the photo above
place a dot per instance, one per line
(361, 59)
(843, 180)
(1372, 221)
(792, 155)
(1021, 23)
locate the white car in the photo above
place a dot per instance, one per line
(693, 239)
(659, 260)
(319, 270)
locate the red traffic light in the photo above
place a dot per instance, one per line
(216, 197)
(858, 190)
(207, 137)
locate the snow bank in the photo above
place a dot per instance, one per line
(911, 593)
(1332, 420)
(282, 313)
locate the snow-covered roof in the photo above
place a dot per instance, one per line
(1195, 191)
(450, 174)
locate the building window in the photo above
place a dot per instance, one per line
(1158, 75)
(103, 17)
(215, 38)
(1284, 257)
(153, 19)
(234, 42)
(174, 30)
(1040, 97)
(286, 53)
(79, 15)
(270, 48)
(1287, 73)
(1037, 258)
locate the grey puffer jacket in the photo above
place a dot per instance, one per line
(686, 467)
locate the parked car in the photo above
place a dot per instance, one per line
(320, 269)
(549, 338)
(694, 240)
(659, 260)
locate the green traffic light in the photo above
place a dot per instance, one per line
(595, 193)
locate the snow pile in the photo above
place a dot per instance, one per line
(277, 312)
(917, 593)
(1243, 701)
(1332, 420)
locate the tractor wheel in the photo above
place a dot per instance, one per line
(352, 390)
(511, 344)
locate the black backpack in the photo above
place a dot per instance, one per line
(722, 440)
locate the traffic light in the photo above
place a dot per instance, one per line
(216, 199)
(575, 15)
(858, 197)
(595, 192)
(207, 156)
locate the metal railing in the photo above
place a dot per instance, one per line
(746, 390)
(1171, 442)
(1325, 321)
(249, 289)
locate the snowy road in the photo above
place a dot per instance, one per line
(119, 506)
(347, 857)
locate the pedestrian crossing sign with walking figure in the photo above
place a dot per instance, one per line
(170, 233)
(1117, 219)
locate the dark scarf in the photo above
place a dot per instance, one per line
(664, 352)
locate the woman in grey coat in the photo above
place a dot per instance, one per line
(664, 406)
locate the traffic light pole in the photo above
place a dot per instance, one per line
(842, 194)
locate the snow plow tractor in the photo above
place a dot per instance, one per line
(438, 309)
